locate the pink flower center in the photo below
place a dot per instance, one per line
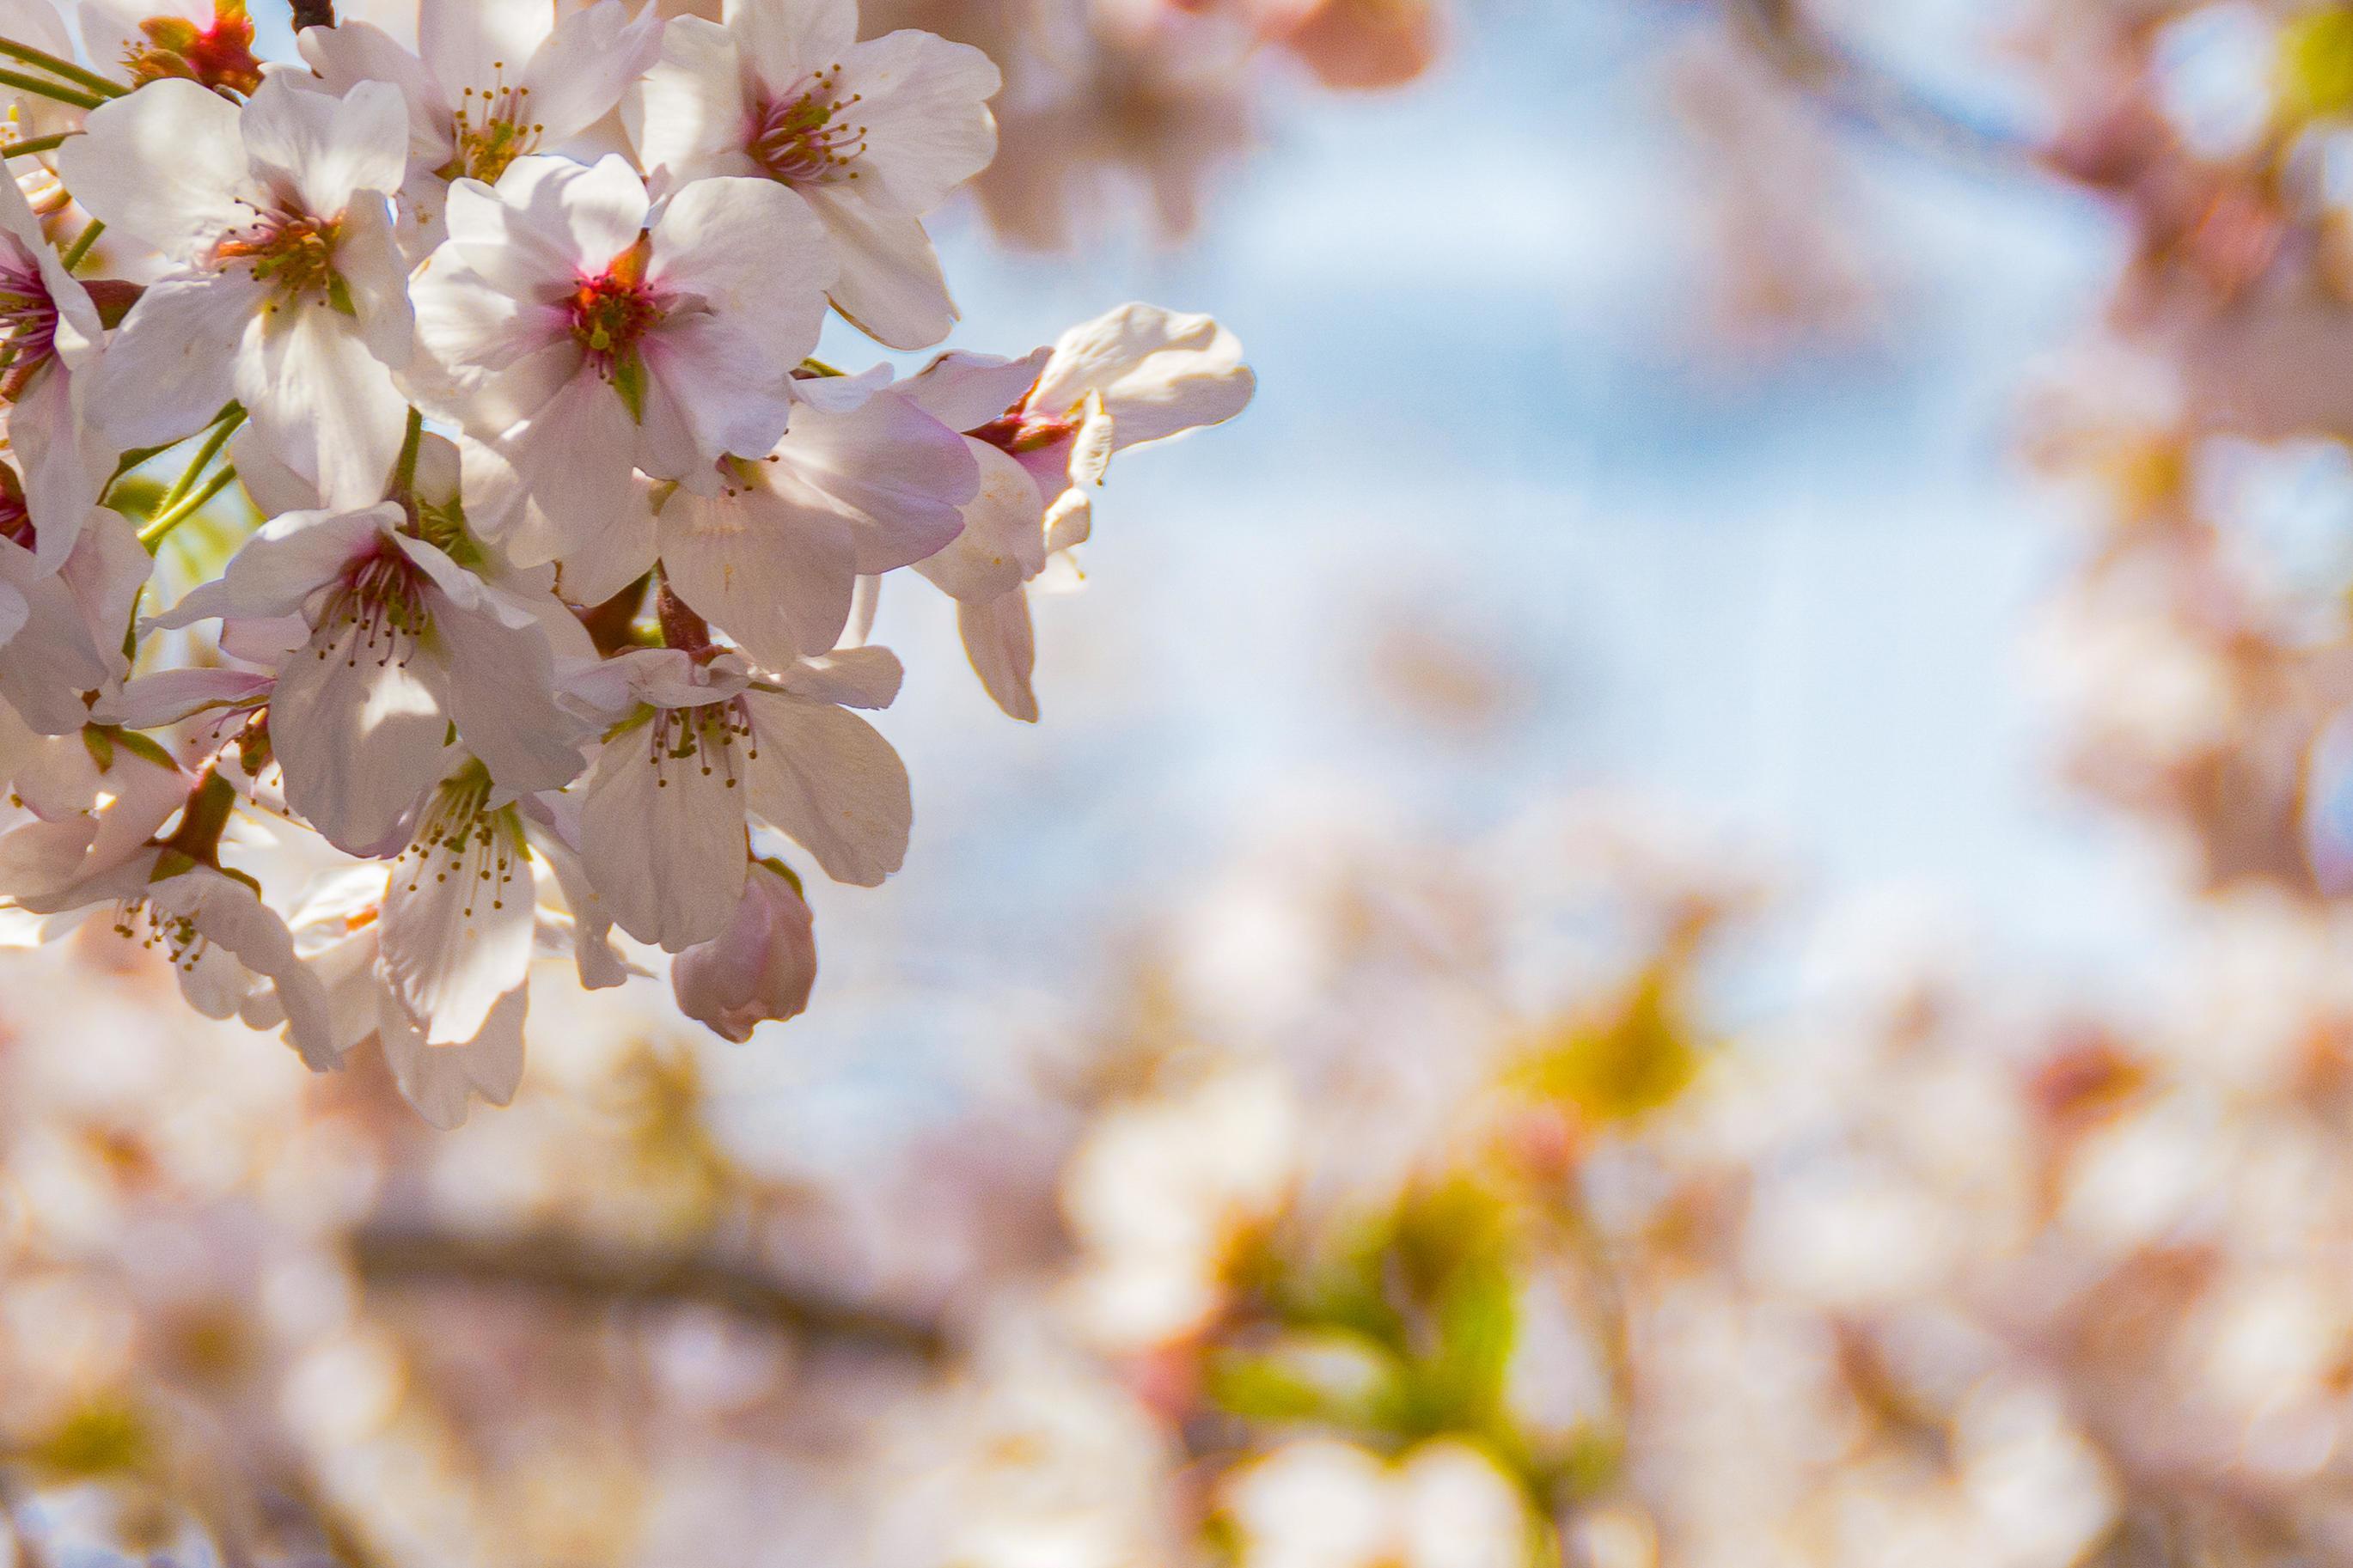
(220, 56)
(808, 139)
(612, 313)
(15, 518)
(28, 321)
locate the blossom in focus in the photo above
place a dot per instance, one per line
(579, 343)
(762, 967)
(496, 81)
(50, 337)
(872, 135)
(406, 646)
(702, 746)
(286, 291)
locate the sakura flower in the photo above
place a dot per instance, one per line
(232, 953)
(864, 482)
(580, 344)
(1136, 374)
(405, 645)
(347, 936)
(288, 293)
(871, 135)
(702, 747)
(763, 967)
(498, 80)
(61, 633)
(85, 803)
(209, 42)
(50, 342)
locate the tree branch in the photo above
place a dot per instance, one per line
(395, 1257)
(1866, 94)
(313, 13)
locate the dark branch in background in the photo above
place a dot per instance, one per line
(394, 1257)
(313, 13)
(1868, 96)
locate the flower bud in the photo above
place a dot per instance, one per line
(761, 966)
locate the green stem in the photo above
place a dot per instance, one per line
(82, 242)
(56, 92)
(209, 804)
(157, 531)
(403, 473)
(223, 428)
(38, 144)
(64, 67)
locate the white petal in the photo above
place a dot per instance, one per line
(573, 459)
(1003, 545)
(325, 150)
(751, 251)
(891, 285)
(784, 40)
(1159, 373)
(774, 575)
(359, 734)
(663, 840)
(867, 677)
(482, 43)
(727, 393)
(501, 698)
(829, 779)
(690, 108)
(458, 921)
(283, 565)
(232, 917)
(356, 51)
(439, 1079)
(63, 475)
(899, 477)
(965, 391)
(323, 401)
(172, 363)
(924, 110)
(578, 75)
(998, 639)
(166, 165)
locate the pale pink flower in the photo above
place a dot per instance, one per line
(288, 292)
(497, 80)
(871, 135)
(404, 647)
(762, 967)
(703, 746)
(580, 344)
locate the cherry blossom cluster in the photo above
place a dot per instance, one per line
(549, 601)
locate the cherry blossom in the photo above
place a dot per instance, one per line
(872, 135)
(701, 747)
(418, 490)
(579, 343)
(498, 80)
(287, 294)
(761, 968)
(406, 646)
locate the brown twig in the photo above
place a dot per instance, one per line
(392, 1256)
(313, 13)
